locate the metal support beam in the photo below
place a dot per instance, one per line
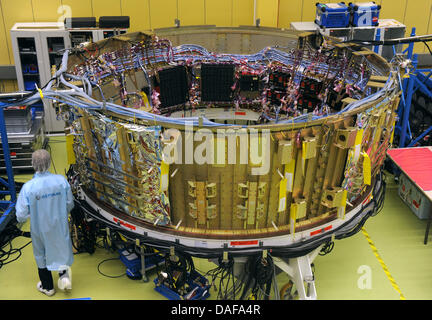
(300, 271)
(407, 106)
(10, 185)
(143, 265)
(416, 81)
(9, 204)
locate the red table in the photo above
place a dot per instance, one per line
(416, 163)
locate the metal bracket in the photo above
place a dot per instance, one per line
(192, 189)
(332, 198)
(309, 147)
(225, 257)
(211, 190)
(143, 265)
(285, 151)
(173, 256)
(253, 207)
(345, 138)
(200, 208)
(243, 190)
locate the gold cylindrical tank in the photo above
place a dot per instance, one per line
(239, 178)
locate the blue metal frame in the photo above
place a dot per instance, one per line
(195, 281)
(416, 81)
(6, 205)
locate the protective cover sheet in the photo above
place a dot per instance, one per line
(416, 163)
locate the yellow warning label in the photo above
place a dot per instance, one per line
(366, 169)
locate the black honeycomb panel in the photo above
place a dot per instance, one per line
(173, 86)
(307, 102)
(279, 80)
(249, 83)
(275, 96)
(216, 82)
(310, 86)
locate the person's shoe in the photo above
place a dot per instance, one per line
(64, 282)
(49, 293)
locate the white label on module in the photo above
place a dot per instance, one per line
(201, 244)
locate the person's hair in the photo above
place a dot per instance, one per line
(41, 160)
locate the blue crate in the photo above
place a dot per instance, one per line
(332, 15)
(33, 69)
(364, 14)
(132, 262)
(29, 85)
(200, 287)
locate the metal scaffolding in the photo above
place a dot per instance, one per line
(8, 191)
(415, 80)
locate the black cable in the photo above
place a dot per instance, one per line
(390, 42)
(6, 237)
(86, 232)
(327, 248)
(5, 255)
(228, 288)
(18, 186)
(105, 275)
(262, 270)
(176, 268)
(52, 160)
(27, 94)
(427, 46)
(293, 251)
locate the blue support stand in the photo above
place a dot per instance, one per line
(416, 81)
(377, 37)
(407, 106)
(6, 205)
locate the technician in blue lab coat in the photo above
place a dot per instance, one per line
(47, 200)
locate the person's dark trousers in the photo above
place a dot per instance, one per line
(45, 277)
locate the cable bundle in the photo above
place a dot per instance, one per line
(298, 249)
(261, 273)
(228, 287)
(7, 251)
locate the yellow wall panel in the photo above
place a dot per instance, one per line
(191, 12)
(46, 10)
(4, 50)
(219, 12)
(419, 21)
(267, 12)
(139, 13)
(393, 9)
(150, 14)
(162, 13)
(289, 11)
(106, 8)
(309, 10)
(428, 13)
(8, 86)
(15, 11)
(79, 8)
(243, 13)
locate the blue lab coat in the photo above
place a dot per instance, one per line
(47, 200)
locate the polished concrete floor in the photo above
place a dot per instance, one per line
(350, 271)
